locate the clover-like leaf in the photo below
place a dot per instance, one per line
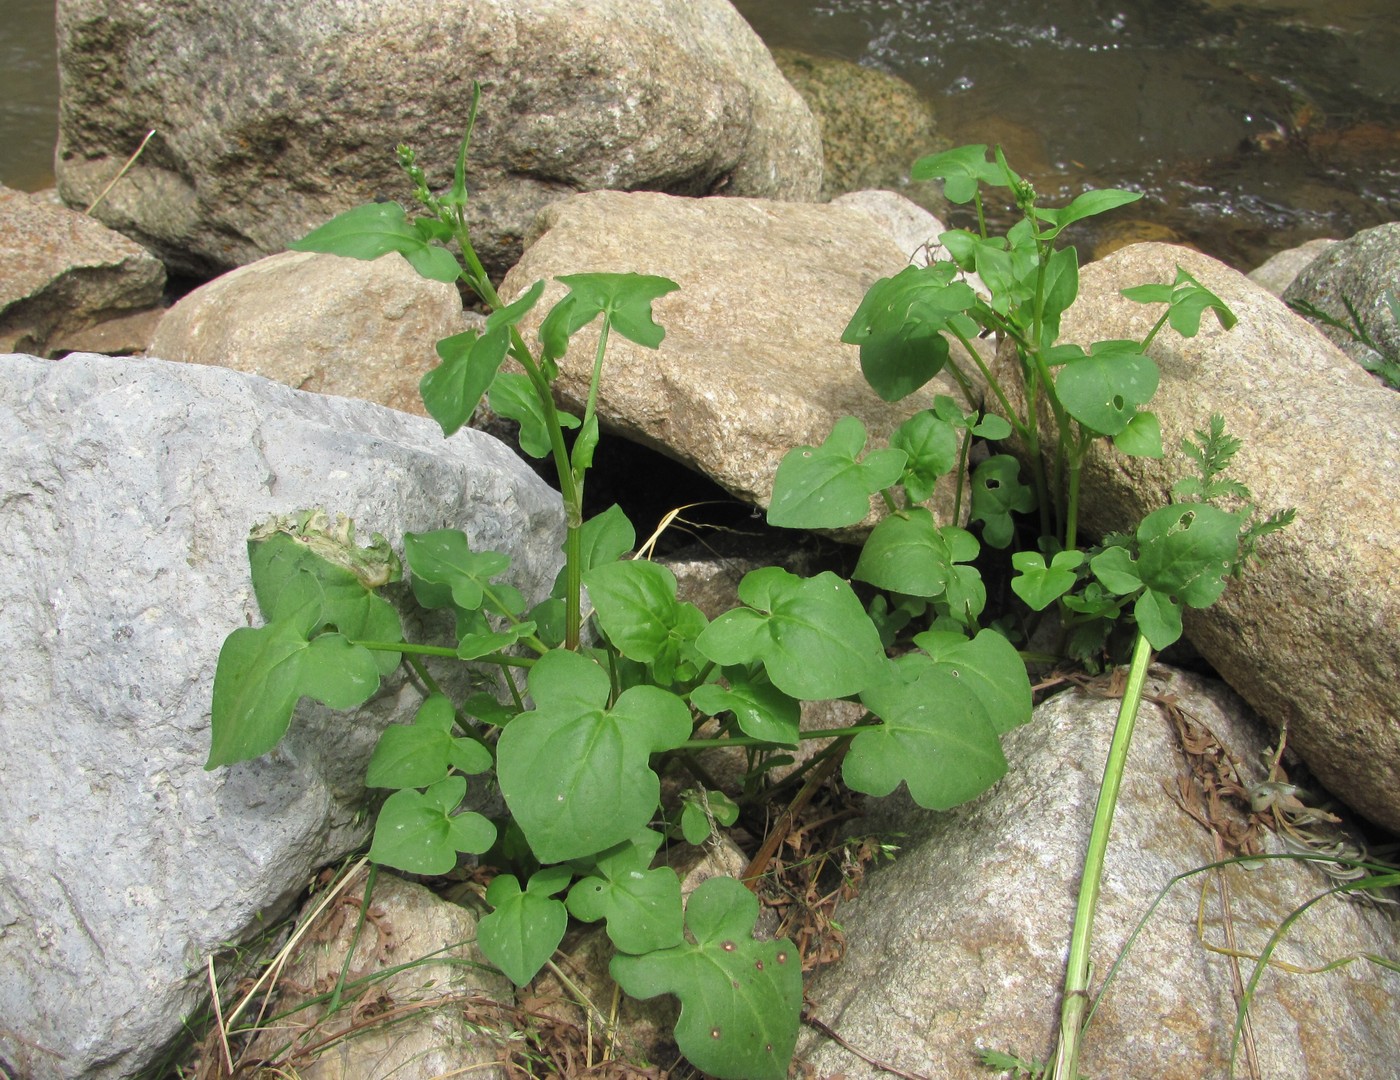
(1103, 389)
(526, 926)
(1040, 585)
(642, 906)
(574, 772)
(829, 486)
(761, 709)
(375, 229)
(934, 734)
(418, 832)
(452, 390)
(423, 752)
(263, 671)
(741, 999)
(898, 327)
(812, 635)
(997, 492)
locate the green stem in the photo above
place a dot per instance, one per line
(1065, 1065)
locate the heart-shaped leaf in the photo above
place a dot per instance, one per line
(418, 832)
(1104, 389)
(762, 710)
(642, 906)
(526, 927)
(829, 486)
(423, 752)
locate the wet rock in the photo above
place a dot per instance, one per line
(752, 364)
(62, 273)
(1364, 270)
(323, 323)
(961, 943)
(130, 487)
(1311, 636)
(874, 126)
(270, 119)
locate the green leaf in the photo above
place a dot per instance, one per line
(906, 553)
(741, 999)
(1103, 389)
(930, 445)
(702, 811)
(453, 389)
(997, 492)
(513, 396)
(418, 832)
(642, 906)
(1117, 570)
(447, 573)
(624, 300)
(935, 735)
(526, 927)
(1142, 437)
(898, 327)
(636, 607)
(828, 487)
(1087, 205)
(375, 229)
(262, 673)
(1187, 550)
(575, 773)
(813, 636)
(990, 666)
(1158, 616)
(761, 709)
(422, 753)
(1040, 585)
(961, 170)
(1189, 300)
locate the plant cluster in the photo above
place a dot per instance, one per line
(590, 721)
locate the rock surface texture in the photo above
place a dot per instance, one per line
(752, 364)
(61, 273)
(271, 118)
(1311, 636)
(1363, 270)
(129, 489)
(321, 323)
(961, 943)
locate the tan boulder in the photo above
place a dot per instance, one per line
(323, 323)
(752, 364)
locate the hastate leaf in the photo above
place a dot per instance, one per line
(741, 999)
(624, 300)
(642, 906)
(829, 486)
(575, 773)
(1104, 389)
(375, 229)
(812, 635)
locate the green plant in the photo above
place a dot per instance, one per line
(579, 749)
(1379, 361)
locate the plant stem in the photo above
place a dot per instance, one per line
(1065, 1064)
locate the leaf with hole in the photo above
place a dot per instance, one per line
(997, 493)
(812, 635)
(1104, 388)
(741, 999)
(829, 486)
(576, 773)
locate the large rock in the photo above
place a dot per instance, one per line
(1364, 271)
(130, 486)
(1311, 636)
(752, 364)
(271, 118)
(331, 325)
(961, 943)
(62, 273)
(1280, 270)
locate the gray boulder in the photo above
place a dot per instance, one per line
(1311, 636)
(323, 323)
(961, 943)
(130, 486)
(62, 273)
(271, 118)
(1279, 271)
(752, 364)
(1364, 270)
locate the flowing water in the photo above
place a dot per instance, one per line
(1249, 127)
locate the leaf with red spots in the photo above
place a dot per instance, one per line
(741, 999)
